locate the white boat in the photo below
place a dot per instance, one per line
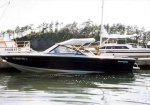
(14, 46)
(10, 46)
(124, 50)
(118, 47)
(120, 50)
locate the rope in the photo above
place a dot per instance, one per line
(5, 4)
(4, 10)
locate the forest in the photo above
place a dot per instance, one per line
(46, 34)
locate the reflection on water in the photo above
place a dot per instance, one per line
(99, 89)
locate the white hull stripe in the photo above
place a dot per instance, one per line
(33, 69)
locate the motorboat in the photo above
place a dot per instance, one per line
(66, 57)
(126, 50)
(11, 46)
(123, 49)
(116, 44)
(7, 45)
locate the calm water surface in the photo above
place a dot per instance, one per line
(100, 89)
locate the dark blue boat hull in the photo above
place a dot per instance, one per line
(72, 63)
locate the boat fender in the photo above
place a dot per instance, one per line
(136, 67)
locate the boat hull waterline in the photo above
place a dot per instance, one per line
(72, 65)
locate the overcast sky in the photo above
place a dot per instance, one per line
(25, 12)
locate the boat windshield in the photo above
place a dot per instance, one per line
(65, 50)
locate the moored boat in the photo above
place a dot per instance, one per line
(65, 57)
(115, 44)
(10, 46)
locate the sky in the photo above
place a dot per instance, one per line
(26, 12)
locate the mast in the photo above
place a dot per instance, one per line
(101, 24)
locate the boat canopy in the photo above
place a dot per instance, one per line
(115, 36)
(80, 41)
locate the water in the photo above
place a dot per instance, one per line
(99, 89)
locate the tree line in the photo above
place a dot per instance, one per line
(57, 32)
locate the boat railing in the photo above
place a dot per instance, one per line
(80, 48)
(85, 49)
(23, 44)
(15, 46)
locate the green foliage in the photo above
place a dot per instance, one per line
(58, 32)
